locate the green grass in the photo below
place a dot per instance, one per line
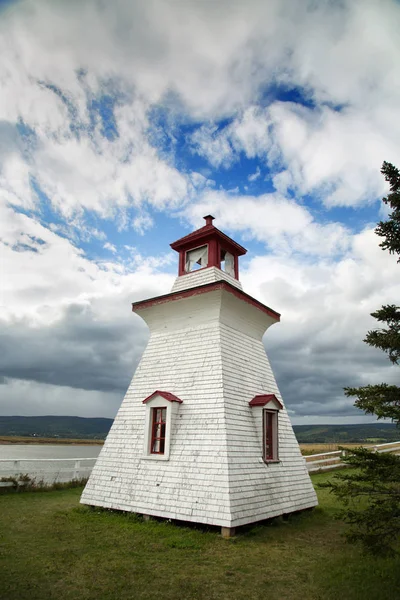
(53, 548)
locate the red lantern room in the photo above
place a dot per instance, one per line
(208, 247)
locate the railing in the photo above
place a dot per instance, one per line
(45, 469)
(333, 460)
(325, 461)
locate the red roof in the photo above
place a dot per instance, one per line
(167, 395)
(205, 233)
(263, 399)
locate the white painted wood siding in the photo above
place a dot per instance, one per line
(201, 350)
(202, 277)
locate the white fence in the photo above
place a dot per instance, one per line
(48, 470)
(333, 460)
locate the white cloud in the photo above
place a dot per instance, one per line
(142, 222)
(280, 223)
(96, 174)
(213, 146)
(110, 247)
(334, 155)
(66, 322)
(14, 182)
(178, 46)
(43, 273)
(248, 133)
(330, 154)
(317, 348)
(254, 176)
(220, 66)
(70, 329)
(174, 53)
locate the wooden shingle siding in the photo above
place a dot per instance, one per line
(201, 277)
(207, 350)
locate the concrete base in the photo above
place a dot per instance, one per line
(227, 532)
(146, 517)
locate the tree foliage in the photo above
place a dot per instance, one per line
(390, 229)
(388, 339)
(370, 493)
(371, 490)
(382, 400)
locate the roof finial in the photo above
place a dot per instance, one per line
(209, 219)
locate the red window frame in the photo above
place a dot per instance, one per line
(158, 430)
(270, 431)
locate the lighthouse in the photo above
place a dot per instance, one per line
(202, 434)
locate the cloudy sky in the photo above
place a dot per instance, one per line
(122, 123)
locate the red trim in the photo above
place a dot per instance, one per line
(216, 241)
(166, 395)
(181, 269)
(268, 435)
(204, 234)
(263, 399)
(204, 289)
(213, 254)
(236, 266)
(158, 430)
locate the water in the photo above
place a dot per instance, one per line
(20, 458)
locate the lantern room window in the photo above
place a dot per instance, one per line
(227, 263)
(158, 430)
(196, 259)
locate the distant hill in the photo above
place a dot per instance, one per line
(97, 428)
(54, 426)
(374, 433)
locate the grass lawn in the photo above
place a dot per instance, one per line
(53, 548)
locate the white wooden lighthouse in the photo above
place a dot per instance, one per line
(202, 434)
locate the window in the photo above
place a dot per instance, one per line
(270, 437)
(161, 409)
(266, 424)
(227, 262)
(158, 430)
(196, 259)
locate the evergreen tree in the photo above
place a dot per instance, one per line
(371, 492)
(390, 229)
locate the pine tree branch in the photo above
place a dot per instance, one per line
(390, 229)
(382, 400)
